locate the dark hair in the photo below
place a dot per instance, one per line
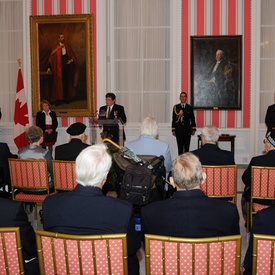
(111, 95)
(183, 93)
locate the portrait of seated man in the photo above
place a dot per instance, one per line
(216, 84)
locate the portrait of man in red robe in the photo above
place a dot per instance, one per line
(62, 63)
(64, 67)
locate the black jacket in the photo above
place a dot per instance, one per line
(190, 214)
(270, 117)
(5, 153)
(263, 160)
(263, 223)
(12, 214)
(85, 210)
(112, 131)
(70, 150)
(187, 122)
(211, 154)
(41, 120)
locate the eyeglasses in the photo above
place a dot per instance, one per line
(264, 141)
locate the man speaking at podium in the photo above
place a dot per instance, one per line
(112, 111)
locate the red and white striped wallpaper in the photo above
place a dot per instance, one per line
(218, 17)
(199, 17)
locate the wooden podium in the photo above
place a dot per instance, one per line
(101, 123)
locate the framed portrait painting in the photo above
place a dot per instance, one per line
(62, 63)
(216, 70)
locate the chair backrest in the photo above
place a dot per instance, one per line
(197, 256)
(262, 187)
(11, 257)
(263, 254)
(81, 254)
(28, 174)
(221, 181)
(263, 182)
(64, 175)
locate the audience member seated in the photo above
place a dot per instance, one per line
(12, 214)
(210, 153)
(263, 223)
(70, 150)
(267, 159)
(85, 210)
(34, 135)
(5, 154)
(189, 213)
(148, 143)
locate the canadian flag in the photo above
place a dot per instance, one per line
(21, 119)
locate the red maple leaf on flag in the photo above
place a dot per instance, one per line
(21, 118)
(18, 117)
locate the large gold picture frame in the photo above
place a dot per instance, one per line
(69, 84)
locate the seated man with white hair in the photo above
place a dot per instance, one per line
(85, 210)
(210, 153)
(149, 144)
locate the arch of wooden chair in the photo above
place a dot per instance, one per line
(81, 254)
(262, 187)
(29, 174)
(11, 256)
(263, 254)
(64, 175)
(221, 181)
(201, 256)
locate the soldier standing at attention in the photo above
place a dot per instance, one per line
(183, 123)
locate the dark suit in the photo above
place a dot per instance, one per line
(49, 139)
(70, 150)
(219, 95)
(270, 117)
(41, 120)
(263, 160)
(12, 214)
(112, 131)
(183, 125)
(5, 153)
(190, 214)
(263, 223)
(211, 154)
(86, 210)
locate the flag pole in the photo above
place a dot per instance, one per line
(19, 62)
(21, 119)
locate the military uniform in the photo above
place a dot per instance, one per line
(183, 124)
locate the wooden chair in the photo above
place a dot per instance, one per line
(81, 254)
(29, 174)
(11, 256)
(221, 181)
(197, 256)
(64, 175)
(262, 187)
(263, 254)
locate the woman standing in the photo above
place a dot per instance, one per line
(47, 121)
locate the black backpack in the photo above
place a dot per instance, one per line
(141, 182)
